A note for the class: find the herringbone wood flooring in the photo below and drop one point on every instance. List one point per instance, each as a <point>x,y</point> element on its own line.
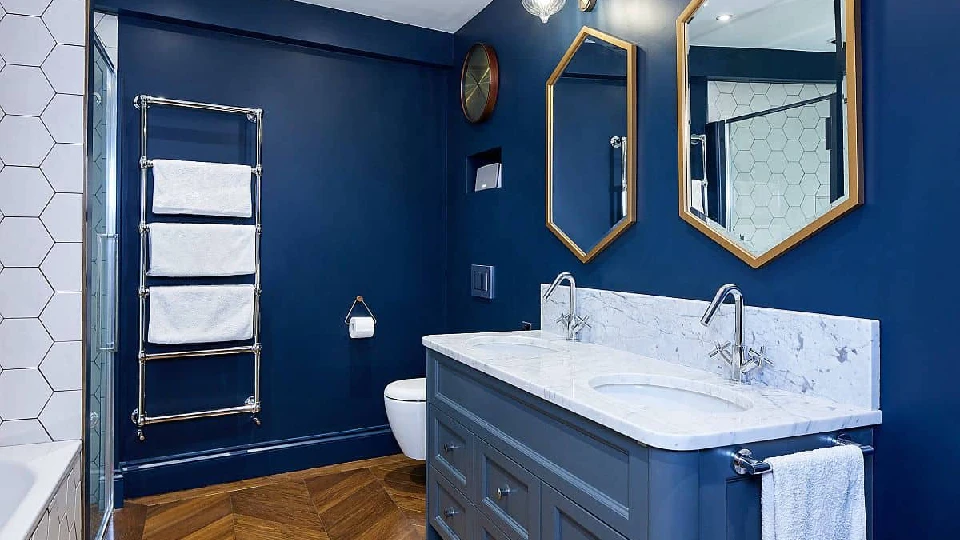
<point>377,499</point>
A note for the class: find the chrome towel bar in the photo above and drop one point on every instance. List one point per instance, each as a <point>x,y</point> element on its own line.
<point>745,464</point>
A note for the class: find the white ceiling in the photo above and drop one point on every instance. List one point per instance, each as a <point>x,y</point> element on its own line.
<point>443,15</point>
<point>799,25</point>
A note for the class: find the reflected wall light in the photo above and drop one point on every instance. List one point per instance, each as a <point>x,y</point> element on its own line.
<point>543,8</point>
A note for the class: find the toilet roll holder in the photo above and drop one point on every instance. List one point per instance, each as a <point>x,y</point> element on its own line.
<point>358,300</point>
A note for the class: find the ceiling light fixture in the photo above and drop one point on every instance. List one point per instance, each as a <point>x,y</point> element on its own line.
<point>543,8</point>
<point>725,17</point>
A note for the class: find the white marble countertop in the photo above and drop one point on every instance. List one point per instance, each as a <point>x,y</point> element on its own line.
<point>562,377</point>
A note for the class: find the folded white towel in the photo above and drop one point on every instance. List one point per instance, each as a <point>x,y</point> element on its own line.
<point>189,249</point>
<point>206,189</point>
<point>815,495</point>
<point>200,314</point>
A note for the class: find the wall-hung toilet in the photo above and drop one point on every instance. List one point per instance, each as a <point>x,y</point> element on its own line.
<point>406,403</point>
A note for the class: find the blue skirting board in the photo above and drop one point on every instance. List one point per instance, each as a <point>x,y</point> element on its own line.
<point>198,469</point>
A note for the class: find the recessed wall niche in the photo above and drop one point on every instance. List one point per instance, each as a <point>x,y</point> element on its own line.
<point>484,170</point>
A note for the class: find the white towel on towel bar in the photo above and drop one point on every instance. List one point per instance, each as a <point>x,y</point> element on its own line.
<point>200,314</point>
<point>191,249</point>
<point>815,495</point>
<point>206,189</point>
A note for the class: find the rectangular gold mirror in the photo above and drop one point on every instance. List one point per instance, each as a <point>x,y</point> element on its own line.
<point>591,143</point>
<point>769,114</point>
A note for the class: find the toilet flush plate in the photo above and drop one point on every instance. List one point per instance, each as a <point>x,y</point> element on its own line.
<point>481,281</point>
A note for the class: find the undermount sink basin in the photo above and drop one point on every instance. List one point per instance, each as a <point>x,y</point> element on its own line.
<point>671,393</point>
<point>514,345</point>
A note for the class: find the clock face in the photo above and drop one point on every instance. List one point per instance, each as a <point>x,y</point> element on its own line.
<point>479,83</point>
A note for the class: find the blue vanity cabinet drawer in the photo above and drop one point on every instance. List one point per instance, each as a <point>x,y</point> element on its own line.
<point>563,519</point>
<point>451,449</point>
<point>486,530</point>
<point>509,494</point>
<point>449,511</point>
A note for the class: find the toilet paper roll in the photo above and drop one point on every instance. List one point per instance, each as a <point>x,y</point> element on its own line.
<point>361,327</point>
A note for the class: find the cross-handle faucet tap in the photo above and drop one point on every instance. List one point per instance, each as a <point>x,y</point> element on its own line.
<point>741,359</point>
<point>572,322</point>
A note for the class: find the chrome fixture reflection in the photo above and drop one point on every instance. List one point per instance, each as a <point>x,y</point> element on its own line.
<point>572,322</point>
<point>741,359</point>
<point>620,143</point>
<point>700,184</point>
<point>543,8</point>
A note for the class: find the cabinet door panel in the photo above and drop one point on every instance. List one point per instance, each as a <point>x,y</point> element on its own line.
<point>449,512</point>
<point>451,449</point>
<point>563,520</point>
<point>509,494</point>
<point>486,530</point>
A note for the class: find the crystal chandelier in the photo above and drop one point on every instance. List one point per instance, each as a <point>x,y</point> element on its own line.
<point>543,8</point>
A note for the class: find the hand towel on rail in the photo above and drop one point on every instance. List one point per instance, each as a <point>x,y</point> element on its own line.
<point>190,249</point>
<point>815,495</point>
<point>205,189</point>
<point>200,314</point>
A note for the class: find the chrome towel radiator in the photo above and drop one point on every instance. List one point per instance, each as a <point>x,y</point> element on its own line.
<point>252,405</point>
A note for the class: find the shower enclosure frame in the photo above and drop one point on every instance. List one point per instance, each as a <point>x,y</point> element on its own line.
<point>92,240</point>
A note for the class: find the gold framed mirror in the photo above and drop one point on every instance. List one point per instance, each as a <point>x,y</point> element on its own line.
<point>591,143</point>
<point>769,121</point>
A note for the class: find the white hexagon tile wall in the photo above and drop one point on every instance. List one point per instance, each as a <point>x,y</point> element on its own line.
<point>41,181</point>
<point>781,168</point>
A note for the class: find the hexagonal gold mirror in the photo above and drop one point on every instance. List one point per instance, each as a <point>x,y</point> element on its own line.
<point>591,143</point>
<point>770,149</point>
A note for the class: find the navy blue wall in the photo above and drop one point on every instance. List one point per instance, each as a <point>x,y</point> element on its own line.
<point>890,260</point>
<point>352,204</point>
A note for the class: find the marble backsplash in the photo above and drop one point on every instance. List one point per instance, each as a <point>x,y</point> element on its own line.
<point>824,355</point>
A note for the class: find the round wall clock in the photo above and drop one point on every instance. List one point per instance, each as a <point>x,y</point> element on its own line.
<point>479,83</point>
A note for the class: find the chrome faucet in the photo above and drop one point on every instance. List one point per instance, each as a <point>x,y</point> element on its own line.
<point>572,322</point>
<point>742,360</point>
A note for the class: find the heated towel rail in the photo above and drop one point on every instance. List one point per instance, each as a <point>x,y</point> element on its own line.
<point>252,404</point>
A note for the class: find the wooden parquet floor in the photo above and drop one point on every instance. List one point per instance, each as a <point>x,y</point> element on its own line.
<point>378,499</point>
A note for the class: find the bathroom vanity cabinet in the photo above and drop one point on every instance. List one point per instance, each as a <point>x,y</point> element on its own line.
<point>503,464</point>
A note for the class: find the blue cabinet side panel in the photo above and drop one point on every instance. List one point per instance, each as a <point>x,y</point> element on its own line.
<point>673,495</point>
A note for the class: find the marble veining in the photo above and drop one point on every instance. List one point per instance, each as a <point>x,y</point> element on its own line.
<point>562,373</point>
<point>821,355</point>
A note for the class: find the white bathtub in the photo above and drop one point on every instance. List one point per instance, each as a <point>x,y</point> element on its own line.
<point>30,476</point>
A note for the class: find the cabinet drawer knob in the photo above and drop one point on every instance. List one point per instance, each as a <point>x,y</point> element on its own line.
<point>450,447</point>
<point>450,512</point>
<point>503,492</point>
